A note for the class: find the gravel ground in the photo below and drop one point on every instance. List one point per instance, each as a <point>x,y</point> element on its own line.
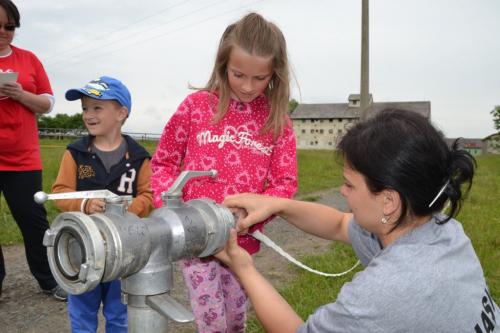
<point>24,308</point>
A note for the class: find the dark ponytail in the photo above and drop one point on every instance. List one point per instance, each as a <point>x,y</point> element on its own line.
<point>461,170</point>
<point>401,150</point>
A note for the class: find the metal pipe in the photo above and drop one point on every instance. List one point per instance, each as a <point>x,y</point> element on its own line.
<point>85,250</point>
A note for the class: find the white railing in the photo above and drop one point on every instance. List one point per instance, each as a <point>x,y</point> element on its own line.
<point>73,133</point>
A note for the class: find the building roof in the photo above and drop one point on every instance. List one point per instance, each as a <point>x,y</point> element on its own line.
<point>466,142</point>
<point>491,136</point>
<point>318,111</point>
<point>357,97</point>
<point>343,111</point>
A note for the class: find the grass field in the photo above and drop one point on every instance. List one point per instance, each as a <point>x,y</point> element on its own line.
<point>314,174</point>
<point>319,170</point>
<point>51,151</point>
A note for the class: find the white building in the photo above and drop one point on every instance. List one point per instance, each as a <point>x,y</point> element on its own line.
<point>320,126</point>
<point>491,144</point>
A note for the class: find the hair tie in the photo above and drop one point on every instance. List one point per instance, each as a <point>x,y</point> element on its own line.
<point>439,193</point>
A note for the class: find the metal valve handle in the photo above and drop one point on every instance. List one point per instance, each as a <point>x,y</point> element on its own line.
<point>41,197</point>
<point>174,193</point>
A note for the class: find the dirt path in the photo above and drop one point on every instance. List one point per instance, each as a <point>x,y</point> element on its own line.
<point>23,308</point>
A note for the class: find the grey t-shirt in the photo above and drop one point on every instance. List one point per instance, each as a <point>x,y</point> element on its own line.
<point>429,280</point>
<point>111,158</point>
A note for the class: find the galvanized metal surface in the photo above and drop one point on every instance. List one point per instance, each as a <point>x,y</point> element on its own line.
<point>86,250</point>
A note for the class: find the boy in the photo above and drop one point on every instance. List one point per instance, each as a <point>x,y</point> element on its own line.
<point>105,159</point>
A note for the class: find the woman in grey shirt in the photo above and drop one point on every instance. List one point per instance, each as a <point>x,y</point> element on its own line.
<point>421,272</point>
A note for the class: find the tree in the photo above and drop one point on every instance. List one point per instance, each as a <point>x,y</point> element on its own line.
<point>496,117</point>
<point>495,140</point>
<point>292,104</point>
<point>61,120</point>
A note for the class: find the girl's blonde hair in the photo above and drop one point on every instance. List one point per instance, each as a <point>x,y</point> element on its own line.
<point>262,38</point>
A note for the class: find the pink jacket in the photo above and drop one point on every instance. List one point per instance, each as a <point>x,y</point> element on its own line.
<point>246,161</point>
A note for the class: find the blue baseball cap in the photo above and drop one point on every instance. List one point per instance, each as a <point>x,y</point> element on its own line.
<point>105,88</point>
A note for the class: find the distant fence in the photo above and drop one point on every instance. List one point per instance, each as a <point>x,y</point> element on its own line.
<point>73,133</point>
<point>144,136</point>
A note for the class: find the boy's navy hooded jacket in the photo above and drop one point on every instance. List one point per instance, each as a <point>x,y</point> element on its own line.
<point>83,170</point>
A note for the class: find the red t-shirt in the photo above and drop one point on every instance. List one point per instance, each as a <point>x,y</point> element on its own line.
<point>19,147</point>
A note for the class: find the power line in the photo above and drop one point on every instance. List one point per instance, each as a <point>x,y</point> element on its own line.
<point>169,32</point>
<point>108,34</point>
<point>85,54</point>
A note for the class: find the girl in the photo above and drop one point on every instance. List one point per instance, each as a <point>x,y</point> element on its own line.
<point>421,272</point>
<point>237,125</point>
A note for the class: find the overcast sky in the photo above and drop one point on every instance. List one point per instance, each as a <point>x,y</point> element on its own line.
<point>443,51</point>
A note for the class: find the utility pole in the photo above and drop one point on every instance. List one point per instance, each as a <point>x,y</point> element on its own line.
<point>365,62</point>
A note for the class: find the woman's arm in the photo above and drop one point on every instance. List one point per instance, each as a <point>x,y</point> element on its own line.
<point>272,310</point>
<point>313,218</point>
<point>35,103</point>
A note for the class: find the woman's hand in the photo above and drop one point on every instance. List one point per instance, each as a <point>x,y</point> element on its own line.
<point>258,208</point>
<point>35,103</point>
<point>95,206</point>
<point>234,256</point>
<point>273,311</point>
<point>239,214</point>
<point>12,89</point>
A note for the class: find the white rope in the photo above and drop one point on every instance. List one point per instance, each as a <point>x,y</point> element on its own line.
<point>264,239</point>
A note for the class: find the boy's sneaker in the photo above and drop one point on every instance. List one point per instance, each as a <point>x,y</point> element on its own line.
<point>58,293</point>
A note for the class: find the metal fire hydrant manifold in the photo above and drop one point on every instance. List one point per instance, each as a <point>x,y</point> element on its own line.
<point>85,250</point>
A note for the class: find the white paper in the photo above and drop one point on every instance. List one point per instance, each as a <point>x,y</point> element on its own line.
<point>8,77</point>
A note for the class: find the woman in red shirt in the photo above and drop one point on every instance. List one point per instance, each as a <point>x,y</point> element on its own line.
<point>21,100</point>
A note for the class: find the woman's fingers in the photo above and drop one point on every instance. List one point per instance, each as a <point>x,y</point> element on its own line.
<point>11,89</point>
<point>246,208</point>
<point>239,215</point>
<point>222,256</point>
<point>241,231</point>
<point>232,244</point>
<point>236,200</point>
<point>228,249</point>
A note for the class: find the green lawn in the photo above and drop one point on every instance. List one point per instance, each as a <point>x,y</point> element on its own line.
<point>314,175</point>
<point>319,170</point>
<point>52,151</point>
<point>480,217</point>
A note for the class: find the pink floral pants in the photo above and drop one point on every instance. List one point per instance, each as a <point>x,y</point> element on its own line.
<point>218,301</point>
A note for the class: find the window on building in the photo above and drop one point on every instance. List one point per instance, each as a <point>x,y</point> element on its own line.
<point>321,121</point>
<point>340,120</point>
<point>312,131</point>
<point>339,132</point>
<point>312,143</point>
<point>330,143</point>
<point>331,120</point>
<point>303,131</point>
<point>316,142</point>
<point>303,120</point>
<point>320,131</point>
<point>330,131</point>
